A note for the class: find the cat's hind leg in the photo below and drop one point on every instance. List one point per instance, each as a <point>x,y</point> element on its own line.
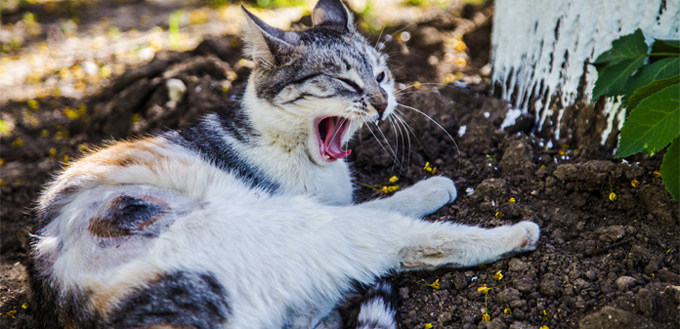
<point>445,244</point>
<point>463,246</point>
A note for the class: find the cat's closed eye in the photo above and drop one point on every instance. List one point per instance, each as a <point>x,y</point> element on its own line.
<point>352,84</point>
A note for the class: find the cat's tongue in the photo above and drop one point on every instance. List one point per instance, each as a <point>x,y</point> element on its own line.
<point>331,132</point>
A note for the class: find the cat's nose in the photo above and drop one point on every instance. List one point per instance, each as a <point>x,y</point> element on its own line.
<point>380,107</point>
<point>379,102</point>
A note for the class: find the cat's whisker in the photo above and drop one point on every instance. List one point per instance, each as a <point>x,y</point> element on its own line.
<point>379,36</point>
<point>398,136</point>
<point>402,119</point>
<point>399,91</point>
<point>368,126</point>
<point>404,132</point>
<point>435,122</point>
<point>395,156</point>
<point>336,132</point>
<point>403,28</point>
<point>404,93</point>
<point>406,140</point>
<point>397,68</point>
<point>395,131</point>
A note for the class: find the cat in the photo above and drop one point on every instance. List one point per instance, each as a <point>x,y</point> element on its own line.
<point>246,220</point>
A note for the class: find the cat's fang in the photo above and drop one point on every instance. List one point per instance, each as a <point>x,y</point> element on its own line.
<point>330,133</point>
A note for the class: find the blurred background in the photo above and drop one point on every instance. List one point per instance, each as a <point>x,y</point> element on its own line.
<point>72,48</point>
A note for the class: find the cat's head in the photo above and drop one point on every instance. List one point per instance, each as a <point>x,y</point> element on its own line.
<point>327,77</point>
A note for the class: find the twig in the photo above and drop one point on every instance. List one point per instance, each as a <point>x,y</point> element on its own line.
<point>601,250</point>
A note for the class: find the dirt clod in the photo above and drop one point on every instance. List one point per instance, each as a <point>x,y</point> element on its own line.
<point>646,302</point>
<point>608,318</point>
<point>624,283</point>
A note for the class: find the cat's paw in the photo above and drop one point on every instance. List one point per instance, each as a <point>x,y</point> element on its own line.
<point>423,198</point>
<point>527,235</point>
<point>439,189</point>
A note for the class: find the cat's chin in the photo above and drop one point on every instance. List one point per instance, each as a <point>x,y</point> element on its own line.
<point>330,132</point>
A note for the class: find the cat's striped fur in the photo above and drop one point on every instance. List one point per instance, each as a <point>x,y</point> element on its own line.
<point>246,220</point>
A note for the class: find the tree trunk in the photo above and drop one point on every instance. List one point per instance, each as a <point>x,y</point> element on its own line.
<point>540,55</point>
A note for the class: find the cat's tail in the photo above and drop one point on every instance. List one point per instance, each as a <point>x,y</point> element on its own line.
<point>379,309</point>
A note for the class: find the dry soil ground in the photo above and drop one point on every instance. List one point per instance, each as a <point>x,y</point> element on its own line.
<point>601,262</point>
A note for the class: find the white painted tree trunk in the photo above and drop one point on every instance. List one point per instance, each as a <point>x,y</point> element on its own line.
<point>540,51</point>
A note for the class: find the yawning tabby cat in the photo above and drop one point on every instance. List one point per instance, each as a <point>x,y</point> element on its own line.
<point>246,220</point>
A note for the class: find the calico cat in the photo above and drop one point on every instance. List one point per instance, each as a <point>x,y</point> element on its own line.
<point>246,219</point>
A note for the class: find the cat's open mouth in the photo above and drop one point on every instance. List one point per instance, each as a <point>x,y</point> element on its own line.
<point>330,132</point>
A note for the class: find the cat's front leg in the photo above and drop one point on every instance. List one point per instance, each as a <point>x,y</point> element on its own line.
<point>423,198</point>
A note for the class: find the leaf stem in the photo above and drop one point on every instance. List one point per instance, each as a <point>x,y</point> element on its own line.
<point>663,54</point>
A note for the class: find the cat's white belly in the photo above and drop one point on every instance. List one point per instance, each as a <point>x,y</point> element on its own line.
<point>265,251</point>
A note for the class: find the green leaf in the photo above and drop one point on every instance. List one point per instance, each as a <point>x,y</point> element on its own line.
<point>670,169</point>
<point>624,48</point>
<point>615,65</point>
<point>648,90</point>
<point>663,69</point>
<point>666,46</point>
<point>652,124</point>
<point>612,78</point>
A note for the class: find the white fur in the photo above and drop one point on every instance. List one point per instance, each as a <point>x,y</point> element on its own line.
<point>288,150</point>
<point>376,312</point>
<point>272,253</point>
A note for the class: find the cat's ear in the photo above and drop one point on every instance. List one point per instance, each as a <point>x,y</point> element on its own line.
<point>332,14</point>
<point>267,44</point>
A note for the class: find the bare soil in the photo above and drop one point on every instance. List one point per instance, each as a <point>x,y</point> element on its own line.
<point>602,261</point>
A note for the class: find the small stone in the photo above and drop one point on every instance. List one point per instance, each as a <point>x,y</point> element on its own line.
<point>646,302</point>
<point>518,303</point>
<point>668,305</point>
<point>607,318</point>
<point>490,189</point>
<point>519,325</point>
<point>580,284</point>
<point>517,158</point>
<point>674,293</point>
<point>613,233</point>
<point>516,265</point>
<point>654,264</point>
<point>580,226</point>
<point>403,293</point>
<point>591,275</point>
<point>550,285</point>
<point>518,314</point>
<point>580,303</point>
<point>624,282</point>
<point>507,295</point>
<point>526,284</point>
<point>496,323</point>
<point>459,280</point>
